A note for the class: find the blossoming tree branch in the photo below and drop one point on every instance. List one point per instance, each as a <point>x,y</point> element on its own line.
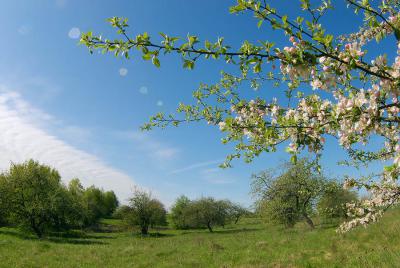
<point>333,87</point>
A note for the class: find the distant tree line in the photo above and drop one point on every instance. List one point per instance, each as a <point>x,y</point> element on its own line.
<point>144,211</point>
<point>205,212</point>
<point>33,197</point>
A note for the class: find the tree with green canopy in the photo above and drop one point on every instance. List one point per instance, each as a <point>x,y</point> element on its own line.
<point>110,202</point>
<point>35,196</point>
<point>144,211</point>
<point>289,193</point>
<point>207,213</point>
<point>332,203</point>
<point>237,211</point>
<point>177,213</point>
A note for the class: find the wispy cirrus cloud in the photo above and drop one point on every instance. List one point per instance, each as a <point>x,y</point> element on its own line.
<point>44,89</point>
<point>153,148</point>
<point>61,3</point>
<point>23,135</point>
<point>197,166</point>
<point>217,176</point>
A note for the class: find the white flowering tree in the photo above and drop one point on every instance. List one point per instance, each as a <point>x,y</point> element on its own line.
<point>334,87</point>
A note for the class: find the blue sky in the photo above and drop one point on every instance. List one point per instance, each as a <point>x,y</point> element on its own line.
<point>75,111</point>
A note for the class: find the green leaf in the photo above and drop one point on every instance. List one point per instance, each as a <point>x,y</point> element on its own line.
<point>147,56</point>
<point>299,20</point>
<point>284,20</point>
<point>156,62</point>
<point>257,67</point>
<point>188,64</point>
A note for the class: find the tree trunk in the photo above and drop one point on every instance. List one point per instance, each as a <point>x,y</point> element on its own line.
<point>36,228</point>
<point>308,220</point>
<point>145,230</point>
<point>209,227</point>
<point>37,231</point>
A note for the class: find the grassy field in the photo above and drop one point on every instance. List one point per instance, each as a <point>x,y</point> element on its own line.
<point>248,244</point>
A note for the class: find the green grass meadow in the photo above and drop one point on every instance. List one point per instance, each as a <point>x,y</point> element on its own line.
<point>250,243</point>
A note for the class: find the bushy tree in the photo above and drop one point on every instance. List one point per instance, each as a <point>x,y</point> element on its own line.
<point>145,211</point>
<point>203,213</point>
<point>34,193</point>
<point>280,211</point>
<point>94,203</point>
<point>333,86</point>
<point>64,216</point>
<point>111,203</point>
<point>289,194</point>
<point>90,204</point>
<point>207,213</point>
<point>237,211</point>
<point>32,196</point>
<point>332,203</point>
<point>159,217</point>
<point>177,214</point>
<point>121,212</point>
<point>78,208</point>
<point>97,204</point>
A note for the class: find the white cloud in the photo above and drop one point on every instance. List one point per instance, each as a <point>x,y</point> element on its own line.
<point>23,136</point>
<point>42,88</point>
<point>74,33</point>
<point>75,133</point>
<point>217,176</point>
<point>197,165</point>
<point>61,3</point>
<point>217,180</point>
<point>152,147</point>
<point>160,103</point>
<point>166,153</point>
